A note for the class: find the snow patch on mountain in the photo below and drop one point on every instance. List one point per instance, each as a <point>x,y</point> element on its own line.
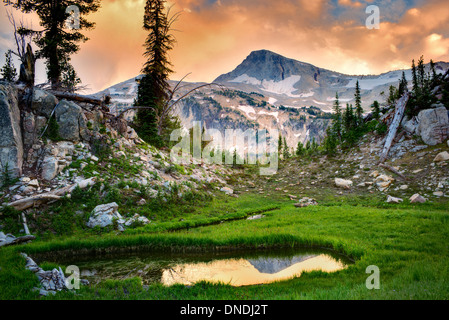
<point>285,86</point>
<point>272,100</point>
<point>248,110</point>
<point>244,78</point>
<point>273,114</point>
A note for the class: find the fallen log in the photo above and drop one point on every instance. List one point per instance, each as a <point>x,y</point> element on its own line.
<point>391,169</point>
<point>17,241</point>
<point>56,195</point>
<point>33,201</point>
<point>80,98</point>
<point>393,129</point>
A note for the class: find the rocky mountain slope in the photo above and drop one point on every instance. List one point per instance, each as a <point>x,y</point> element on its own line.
<point>55,147</point>
<point>268,90</point>
<point>294,83</point>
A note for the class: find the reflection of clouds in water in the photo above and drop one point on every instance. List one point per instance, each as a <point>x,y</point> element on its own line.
<point>243,272</point>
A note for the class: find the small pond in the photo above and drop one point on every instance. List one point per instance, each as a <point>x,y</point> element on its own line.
<point>237,268</point>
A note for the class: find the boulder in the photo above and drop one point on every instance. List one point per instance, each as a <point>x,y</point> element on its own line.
<point>306,202</point>
<point>411,126</point>
<point>391,199</point>
<point>43,102</point>
<point>71,121</point>
<point>417,198</point>
<point>137,219</point>
<point>433,125</point>
<point>342,183</point>
<point>227,190</point>
<point>103,215</point>
<point>383,182</point>
<point>443,156</point>
<point>11,144</point>
<point>49,168</point>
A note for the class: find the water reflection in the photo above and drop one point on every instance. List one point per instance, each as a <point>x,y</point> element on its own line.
<point>237,268</point>
<point>241,272</point>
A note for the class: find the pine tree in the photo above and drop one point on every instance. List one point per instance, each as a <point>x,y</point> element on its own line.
<point>337,120</point>
<point>358,105</point>
<point>349,121</point>
<point>286,150</point>
<point>434,72</point>
<point>402,85</point>
<point>392,97</point>
<point>421,72</point>
<point>153,89</point>
<point>415,79</point>
<point>280,145</point>
<point>330,142</point>
<point>55,42</point>
<point>376,110</point>
<point>9,72</point>
<point>300,149</point>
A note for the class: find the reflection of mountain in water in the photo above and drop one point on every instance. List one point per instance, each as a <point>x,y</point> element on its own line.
<point>274,265</point>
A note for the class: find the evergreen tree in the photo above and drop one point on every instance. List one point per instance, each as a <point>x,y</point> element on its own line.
<point>337,117</point>
<point>330,142</point>
<point>402,85</point>
<point>349,121</point>
<point>55,42</point>
<point>415,79</point>
<point>286,150</point>
<point>9,72</point>
<point>376,110</point>
<point>280,145</point>
<point>153,88</point>
<point>393,95</point>
<point>300,149</point>
<point>358,105</point>
<point>421,72</point>
<point>70,79</point>
<point>434,72</point>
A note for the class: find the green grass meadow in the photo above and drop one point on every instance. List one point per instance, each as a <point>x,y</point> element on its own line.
<point>409,244</point>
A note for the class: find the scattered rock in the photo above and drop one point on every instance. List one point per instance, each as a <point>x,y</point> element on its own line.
<point>34,183</point>
<point>391,199</point>
<point>433,125</point>
<point>374,174</point>
<point>305,202</point>
<point>443,156</point>
<point>103,215</point>
<point>137,219</point>
<point>50,168</point>
<point>342,183</point>
<point>383,182</point>
<point>438,193</point>
<point>227,190</point>
<point>256,217</point>
<point>417,198</point>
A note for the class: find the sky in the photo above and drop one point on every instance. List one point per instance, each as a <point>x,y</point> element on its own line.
<point>214,36</point>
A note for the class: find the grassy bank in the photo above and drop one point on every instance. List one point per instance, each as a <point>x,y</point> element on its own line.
<point>409,244</point>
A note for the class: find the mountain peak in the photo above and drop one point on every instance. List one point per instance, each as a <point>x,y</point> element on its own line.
<point>267,65</point>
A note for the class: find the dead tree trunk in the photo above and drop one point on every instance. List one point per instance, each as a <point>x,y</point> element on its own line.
<point>399,114</point>
<point>80,98</point>
<point>27,68</point>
